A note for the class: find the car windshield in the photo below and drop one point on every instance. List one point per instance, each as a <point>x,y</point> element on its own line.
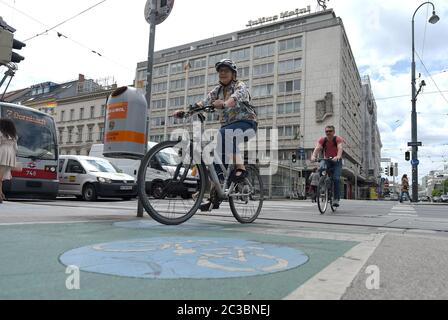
<point>99,166</point>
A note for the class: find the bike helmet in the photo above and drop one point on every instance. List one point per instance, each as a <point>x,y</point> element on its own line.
<point>227,63</point>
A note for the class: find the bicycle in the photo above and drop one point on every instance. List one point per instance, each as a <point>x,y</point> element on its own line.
<point>180,184</point>
<point>325,189</point>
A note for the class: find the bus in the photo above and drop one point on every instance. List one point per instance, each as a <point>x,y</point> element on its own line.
<point>38,153</point>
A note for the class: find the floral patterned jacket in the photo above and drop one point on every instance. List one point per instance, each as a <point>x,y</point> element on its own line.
<point>240,93</point>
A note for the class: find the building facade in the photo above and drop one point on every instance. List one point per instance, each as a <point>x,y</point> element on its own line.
<point>78,107</point>
<point>302,76</point>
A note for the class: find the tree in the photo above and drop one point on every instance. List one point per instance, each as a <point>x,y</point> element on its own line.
<point>436,193</point>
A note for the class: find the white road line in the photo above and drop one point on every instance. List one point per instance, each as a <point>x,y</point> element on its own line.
<point>402,215</point>
<point>52,222</point>
<point>332,282</point>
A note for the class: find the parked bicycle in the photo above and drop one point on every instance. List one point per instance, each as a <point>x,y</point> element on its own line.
<point>325,189</point>
<point>180,183</point>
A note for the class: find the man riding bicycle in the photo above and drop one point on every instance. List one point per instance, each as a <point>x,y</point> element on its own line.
<point>232,98</point>
<point>332,147</point>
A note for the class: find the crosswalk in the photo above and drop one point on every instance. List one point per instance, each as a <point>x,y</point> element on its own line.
<point>403,210</point>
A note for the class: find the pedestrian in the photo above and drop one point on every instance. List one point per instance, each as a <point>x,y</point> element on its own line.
<point>314,181</point>
<point>404,188</point>
<point>8,152</point>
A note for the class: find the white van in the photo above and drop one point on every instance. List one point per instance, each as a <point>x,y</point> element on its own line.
<point>89,178</point>
<point>157,176</point>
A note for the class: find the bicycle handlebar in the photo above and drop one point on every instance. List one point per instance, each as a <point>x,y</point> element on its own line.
<point>193,109</point>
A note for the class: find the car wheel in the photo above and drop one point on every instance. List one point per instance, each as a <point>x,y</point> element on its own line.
<point>89,193</point>
<point>157,190</point>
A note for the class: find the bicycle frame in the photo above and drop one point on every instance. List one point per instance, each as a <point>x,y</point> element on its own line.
<point>221,190</point>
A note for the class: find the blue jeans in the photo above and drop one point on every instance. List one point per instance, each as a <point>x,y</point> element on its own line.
<point>247,129</point>
<point>336,169</point>
<point>402,195</point>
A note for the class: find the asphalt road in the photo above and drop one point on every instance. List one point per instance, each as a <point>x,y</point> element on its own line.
<point>406,244</point>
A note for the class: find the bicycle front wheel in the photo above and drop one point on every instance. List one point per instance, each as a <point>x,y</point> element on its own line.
<point>322,196</point>
<point>246,201</point>
<point>170,186</point>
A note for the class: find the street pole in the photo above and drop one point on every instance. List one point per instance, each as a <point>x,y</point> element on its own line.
<point>152,39</point>
<point>434,19</point>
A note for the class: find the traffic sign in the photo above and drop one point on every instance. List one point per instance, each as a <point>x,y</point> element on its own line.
<point>162,10</point>
<point>415,144</point>
<point>415,162</point>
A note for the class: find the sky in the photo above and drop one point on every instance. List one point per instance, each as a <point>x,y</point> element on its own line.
<point>379,33</point>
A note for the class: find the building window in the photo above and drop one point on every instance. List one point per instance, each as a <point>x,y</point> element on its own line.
<point>265,50</point>
<point>159,87</point>
<point>213,117</point>
<point>177,85</point>
<point>244,72</point>
<point>216,58</point>
<point>92,112</point>
<point>70,135</point>
<point>62,115</point>
<point>290,44</point>
<point>90,134</point>
<point>288,108</point>
<point>177,67</point>
<point>159,104</point>
<point>213,79</point>
<point>72,114</point>
<point>287,66</point>
<point>80,133</point>
<point>263,90</point>
<point>157,122</point>
<point>263,69</point>
<point>193,99</point>
<point>101,134</point>
<point>159,71</point>
<point>197,81</point>
<point>288,131</point>
<point>289,86</point>
<point>81,114</point>
<point>156,138</point>
<point>172,121</point>
<point>198,63</point>
<point>264,112</point>
<point>103,110</point>
<point>177,102</point>
<point>61,135</point>
<point>240,55</point>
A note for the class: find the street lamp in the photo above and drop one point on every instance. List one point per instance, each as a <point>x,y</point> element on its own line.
<point>434,19</point>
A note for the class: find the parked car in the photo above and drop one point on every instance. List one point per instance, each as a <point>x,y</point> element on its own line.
<point>444,198</point>
<point>437,199</point>
<point>158,175</point>
<point>425,199</point>
<point>88,178</point>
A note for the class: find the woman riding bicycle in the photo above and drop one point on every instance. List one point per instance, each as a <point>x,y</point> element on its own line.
<point>232,98</point>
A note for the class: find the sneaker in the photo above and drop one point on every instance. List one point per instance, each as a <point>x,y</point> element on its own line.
<point>336,203</point>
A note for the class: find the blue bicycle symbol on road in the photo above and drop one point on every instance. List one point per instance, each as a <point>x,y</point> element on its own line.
<point>185,258</point>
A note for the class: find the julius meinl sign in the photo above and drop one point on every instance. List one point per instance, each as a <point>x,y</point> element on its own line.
<point>283,15</point>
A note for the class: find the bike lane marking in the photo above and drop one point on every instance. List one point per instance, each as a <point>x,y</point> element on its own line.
<point>332,282</point>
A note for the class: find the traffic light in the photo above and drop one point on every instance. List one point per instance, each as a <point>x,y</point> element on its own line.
<point>7,45</point>
<point>391,171</point>
<point>387,172</point>
<point>408,156</point>
<point>294,158</point>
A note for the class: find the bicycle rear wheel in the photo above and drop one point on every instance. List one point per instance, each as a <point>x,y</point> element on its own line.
<point>170,186</point>
<point>322,196</point>
<point>246,202</point>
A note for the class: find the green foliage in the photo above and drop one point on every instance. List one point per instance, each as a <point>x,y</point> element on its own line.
<point>437,193</point>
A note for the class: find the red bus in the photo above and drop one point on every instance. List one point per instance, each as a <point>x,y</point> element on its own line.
<point>37,153</point>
